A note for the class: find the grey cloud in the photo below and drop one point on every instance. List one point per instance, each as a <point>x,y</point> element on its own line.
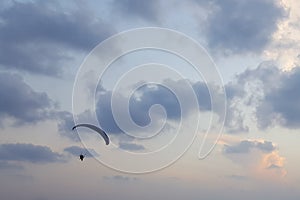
<point>5,165</point>
<point>242,147</point>
<point>266,146</point>
<point>147,10</point>
<point>120,178</point>
<point>246,146</point>
<point>21,177</point>
<point>65,125</point>
<point>150,96</point>
<point>147,96</point>
<point>29,153</point>
<point>20,102</point>
<point>283,100</point>
<point>266,74</point>
<point>138,109</point>
<point>35,36</point>
<point>275,99</point>
<point>234,90</point>
<point>238,177</point>
<point>240,26</point>
<point>104,113</point>
<point>203,95</point>
<point>247,90</point>
<point>234,121</point>
<point>274,166</point>
<point>76,151</point>
<point>131,146</point>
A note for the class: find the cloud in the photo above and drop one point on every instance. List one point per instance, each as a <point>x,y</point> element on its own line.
<point>147,10</point>
<point>241,26</point>
<point>274,163</point>
<point>131,146</point>
<point>234,121</point>
<point>120,178</point>
<point>274,166</point>
<point>246,145</point>
<point>234,90</point>
<point>36,36</point>
<point>202,93</point>
<point>76,151</point>
<point>140,104</point>
<point>284,48</point>
<point>104,112</point>
<point>145,97</point>
<point>28,153</point>
<point>283,101</point>
<point>261,158</point>
<point>65,124</point>
<point>20,102</point>
<point>242,147</point>
<point>148,95</point>
<point>272,94</point>
<point>151,95</point>
<point>4,165</point>
<point>238,177</point>
<point>266,146</point>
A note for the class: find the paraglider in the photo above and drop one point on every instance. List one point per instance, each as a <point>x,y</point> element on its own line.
<point>95,128</point>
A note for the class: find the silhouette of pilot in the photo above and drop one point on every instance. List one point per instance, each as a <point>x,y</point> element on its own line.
<point>81,157</point>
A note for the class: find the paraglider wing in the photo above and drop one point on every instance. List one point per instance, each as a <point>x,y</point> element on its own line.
<point>95,128</point>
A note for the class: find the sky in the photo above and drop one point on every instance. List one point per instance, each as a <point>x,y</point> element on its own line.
<point>200,99</point>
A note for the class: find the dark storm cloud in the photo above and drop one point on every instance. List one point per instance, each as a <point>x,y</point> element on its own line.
<point>20,102</point>
<point>147,10</point>
<point>28,153</point>
<point>245,146</point>
<point>76,151</point>
<point>240,26</point>
<point>35,36</point>
<point>131,146</point>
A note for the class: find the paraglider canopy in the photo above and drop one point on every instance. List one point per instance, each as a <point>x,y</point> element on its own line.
<point>95,128</point>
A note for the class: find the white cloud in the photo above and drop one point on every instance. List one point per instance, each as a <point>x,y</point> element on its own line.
<point>285,45</point>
